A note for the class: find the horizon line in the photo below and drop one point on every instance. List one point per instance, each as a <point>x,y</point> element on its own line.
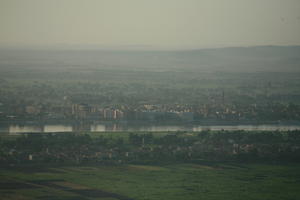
<point>128,47</point>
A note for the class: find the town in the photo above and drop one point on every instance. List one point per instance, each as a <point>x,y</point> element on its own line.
<point>253,113</point>
<point>149,100</point>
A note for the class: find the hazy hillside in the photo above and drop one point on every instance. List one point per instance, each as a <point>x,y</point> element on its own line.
<point>239,59</point>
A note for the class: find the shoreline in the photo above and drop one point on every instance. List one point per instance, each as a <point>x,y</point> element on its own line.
<point>151,123</point>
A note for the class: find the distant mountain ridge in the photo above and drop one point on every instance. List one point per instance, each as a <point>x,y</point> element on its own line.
<point>245,59</point>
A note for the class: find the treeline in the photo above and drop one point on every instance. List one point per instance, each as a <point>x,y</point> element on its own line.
<point>150,148</point>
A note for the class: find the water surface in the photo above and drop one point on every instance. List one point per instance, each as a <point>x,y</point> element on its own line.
<point>125,127</point>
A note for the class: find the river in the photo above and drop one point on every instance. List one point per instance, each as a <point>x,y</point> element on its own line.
<point>48,128</point>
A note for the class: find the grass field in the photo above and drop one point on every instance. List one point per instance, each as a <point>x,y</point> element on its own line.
<point>139,182</point>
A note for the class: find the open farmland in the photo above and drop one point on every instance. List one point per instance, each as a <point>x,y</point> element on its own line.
<point>180,181</point>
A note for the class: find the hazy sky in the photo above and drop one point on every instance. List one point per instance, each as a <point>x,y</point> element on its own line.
<point>159,23</point>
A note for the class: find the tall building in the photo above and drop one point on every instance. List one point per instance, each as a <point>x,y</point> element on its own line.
<point>81,110</point>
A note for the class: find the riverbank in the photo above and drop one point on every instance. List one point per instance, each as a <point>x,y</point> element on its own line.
<point>203,122</point>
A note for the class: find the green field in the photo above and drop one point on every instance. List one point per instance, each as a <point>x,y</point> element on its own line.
<point>174,182</point>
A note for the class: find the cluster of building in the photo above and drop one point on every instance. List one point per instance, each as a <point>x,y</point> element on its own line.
<point>148,112</point>
<point>84,111</point>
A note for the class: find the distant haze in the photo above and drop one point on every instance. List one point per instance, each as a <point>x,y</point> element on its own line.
<point>149,23</point>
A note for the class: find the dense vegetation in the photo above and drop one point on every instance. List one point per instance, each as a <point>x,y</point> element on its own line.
<point>150,148</point>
